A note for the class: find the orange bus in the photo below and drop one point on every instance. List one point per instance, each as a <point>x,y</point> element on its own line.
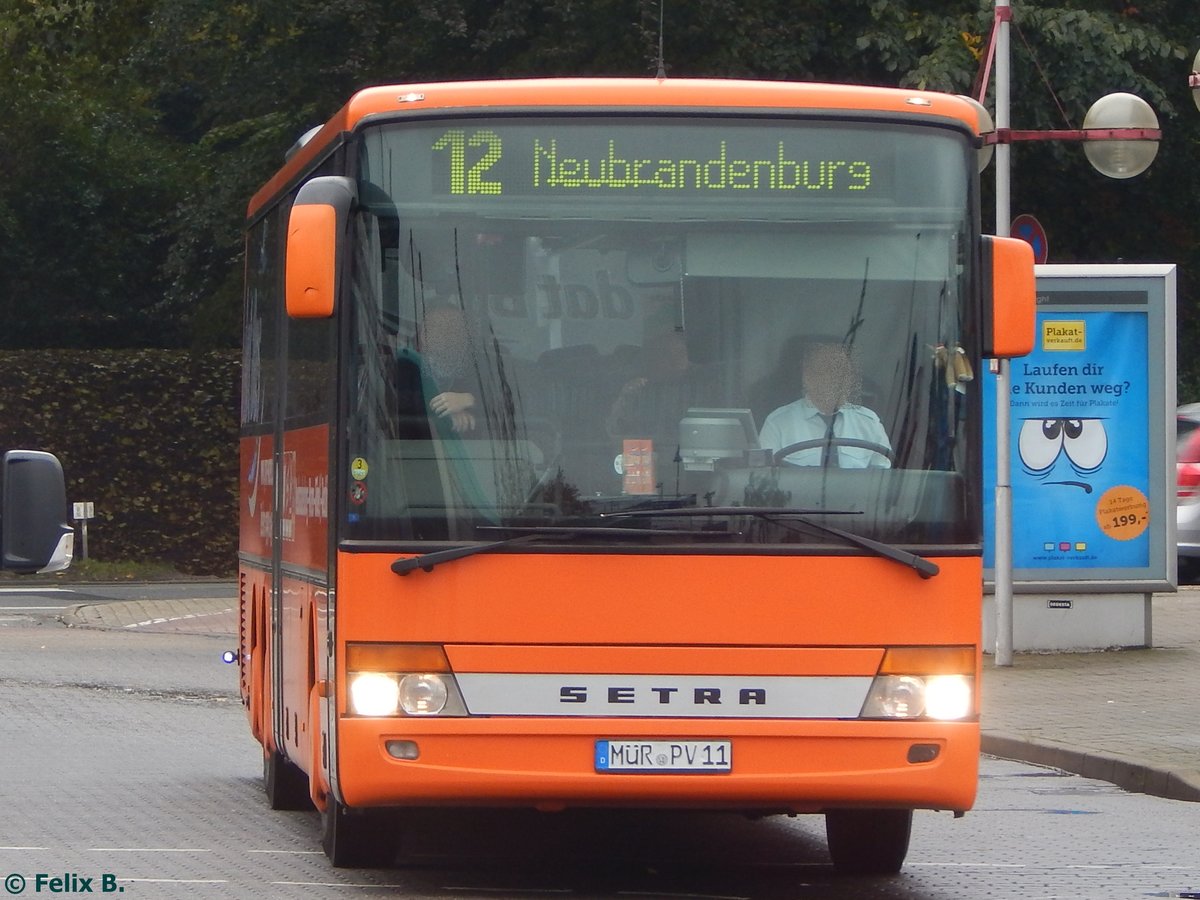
<point>616,443</point>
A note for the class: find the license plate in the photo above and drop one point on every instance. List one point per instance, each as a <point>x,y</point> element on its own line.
<point>664,756</point>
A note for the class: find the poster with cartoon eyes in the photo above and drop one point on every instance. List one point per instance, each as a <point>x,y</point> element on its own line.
<point>1082,408</point>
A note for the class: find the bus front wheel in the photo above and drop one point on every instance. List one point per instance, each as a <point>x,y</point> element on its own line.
<point>868,841</point>
<point>358,838</point>
<point>285,783</point>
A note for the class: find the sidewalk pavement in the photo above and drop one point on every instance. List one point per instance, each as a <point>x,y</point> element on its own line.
<point>1130,717</point>
<point>209,615</point>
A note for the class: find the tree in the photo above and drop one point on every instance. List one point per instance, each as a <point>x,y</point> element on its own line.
<point>1063,59</point>
<point>146,125</point>
<point>87,183</point>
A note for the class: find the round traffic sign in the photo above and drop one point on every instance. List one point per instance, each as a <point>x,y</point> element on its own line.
<point>1030,230</point>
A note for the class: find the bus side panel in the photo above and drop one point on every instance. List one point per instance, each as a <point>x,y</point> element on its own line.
<point>256,481</point>
<point>298,636</point>
<point>253,649</point>
<point>304,512</point>
<point>304,551</point>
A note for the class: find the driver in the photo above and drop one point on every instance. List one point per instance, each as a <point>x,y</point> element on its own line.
<point>826,414</point>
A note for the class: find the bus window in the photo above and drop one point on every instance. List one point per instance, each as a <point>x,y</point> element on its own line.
<point>590,330</point>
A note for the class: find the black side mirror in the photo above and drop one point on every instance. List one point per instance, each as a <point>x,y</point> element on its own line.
<point>35,533</point>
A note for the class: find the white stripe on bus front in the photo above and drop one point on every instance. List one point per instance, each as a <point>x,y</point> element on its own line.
<point>693,696</point>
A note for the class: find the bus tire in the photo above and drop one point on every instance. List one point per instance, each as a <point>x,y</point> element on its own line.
<point>356,838</point>
<point>868,841</point>
<point>285,783</point>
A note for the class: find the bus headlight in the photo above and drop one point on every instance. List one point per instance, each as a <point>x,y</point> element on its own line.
<point>385,679</point>
<point>374,694</point>
<point>923,682</point>
<point>895,697</point>
<point>423,695</point>
<point>948,697</point>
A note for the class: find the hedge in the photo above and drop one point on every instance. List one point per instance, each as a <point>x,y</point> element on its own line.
<point>150,436</point>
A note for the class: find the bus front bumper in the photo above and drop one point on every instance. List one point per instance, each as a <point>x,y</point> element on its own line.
<point>777,766</point>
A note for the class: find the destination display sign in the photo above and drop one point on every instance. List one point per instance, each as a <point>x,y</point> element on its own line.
<point>483,160</point>
<point>495,161</point>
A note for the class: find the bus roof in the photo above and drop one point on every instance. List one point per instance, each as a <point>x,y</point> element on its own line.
<point>611,93</point>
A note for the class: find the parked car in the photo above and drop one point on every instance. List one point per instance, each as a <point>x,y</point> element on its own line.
<point>1187,481</point>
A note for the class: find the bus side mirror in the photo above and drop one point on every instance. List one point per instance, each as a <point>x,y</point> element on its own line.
<point>1010,297</point>
<point>35,534</point>
<point>315,238</point>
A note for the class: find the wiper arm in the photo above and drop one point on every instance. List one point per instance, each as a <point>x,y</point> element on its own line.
<point>427,561</point>
<point>779,515</point>
<point>530,533</point>
<point>924,567</point>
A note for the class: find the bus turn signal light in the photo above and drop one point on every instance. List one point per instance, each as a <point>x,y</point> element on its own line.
<point>928,661</point>
<point>396,658</point>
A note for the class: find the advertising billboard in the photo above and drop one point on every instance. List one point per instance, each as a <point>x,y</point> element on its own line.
<point>1092,413</point>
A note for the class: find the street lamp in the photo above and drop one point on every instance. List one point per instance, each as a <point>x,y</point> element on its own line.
<point>1120,135</point>
<point>1112,155</point>
<point>1194,80</point>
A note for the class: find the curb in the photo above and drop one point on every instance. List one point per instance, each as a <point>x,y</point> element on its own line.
<point>1126,774</point>
<point>197,615</point>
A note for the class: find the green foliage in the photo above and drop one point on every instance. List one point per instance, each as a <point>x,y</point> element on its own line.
<point>87,181</point>
<point>133,132</point>
<point>97,570</point>
<point>1064,57</point>
<point>149,436</point>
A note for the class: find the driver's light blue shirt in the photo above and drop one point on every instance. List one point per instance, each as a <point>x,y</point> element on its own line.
<point>801,421</point>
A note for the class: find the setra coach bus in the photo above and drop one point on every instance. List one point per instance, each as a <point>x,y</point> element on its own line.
<point>616,443</point>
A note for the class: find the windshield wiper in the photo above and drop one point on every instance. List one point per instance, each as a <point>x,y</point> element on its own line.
<point>427,561</point>
<point>779,516</point>
<point>530,533</point>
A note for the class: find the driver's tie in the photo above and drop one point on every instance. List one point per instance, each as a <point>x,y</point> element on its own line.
<point>829,457</point>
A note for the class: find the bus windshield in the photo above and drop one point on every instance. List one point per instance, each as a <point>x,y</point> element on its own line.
<point>558,319</point>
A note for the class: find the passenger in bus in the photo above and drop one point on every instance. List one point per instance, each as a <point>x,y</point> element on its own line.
<point>439,371</point>
<point>652,401</point>
<point>827,414</point>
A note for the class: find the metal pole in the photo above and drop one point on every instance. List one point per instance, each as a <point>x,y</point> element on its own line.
<point>1003,582</point>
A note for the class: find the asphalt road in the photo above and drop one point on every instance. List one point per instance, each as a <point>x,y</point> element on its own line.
<point>127,755</point>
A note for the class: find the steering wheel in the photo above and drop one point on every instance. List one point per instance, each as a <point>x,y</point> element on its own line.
<point>812,443</point>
